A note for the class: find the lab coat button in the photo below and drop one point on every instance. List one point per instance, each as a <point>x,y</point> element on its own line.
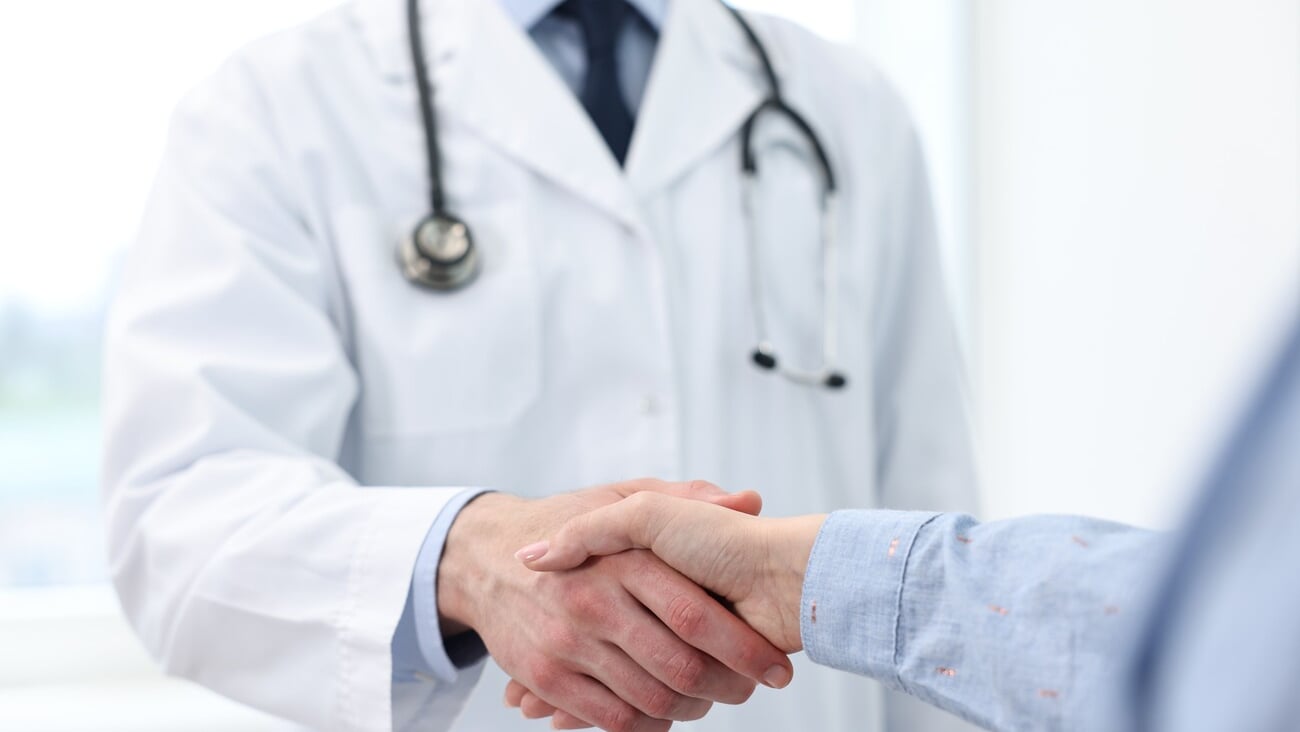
<point>649,406</point>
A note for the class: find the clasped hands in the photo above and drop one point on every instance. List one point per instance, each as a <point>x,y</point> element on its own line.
<point>631,605</point>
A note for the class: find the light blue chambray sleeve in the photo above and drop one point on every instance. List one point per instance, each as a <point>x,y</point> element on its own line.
<point>418,647</point>
<point>1012,625</point>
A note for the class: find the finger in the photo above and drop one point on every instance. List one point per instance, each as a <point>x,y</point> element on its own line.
<point>533,707</point>
<point>685,669</point>
<point>591,702</point>
<point>564,720</point>
<point>515,692</point>
<point>636,685</point>
<point>698,619</point>
<point>745,502</point>
<point>693,489</point>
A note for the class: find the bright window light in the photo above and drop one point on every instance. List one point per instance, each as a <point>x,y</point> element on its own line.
<point>86,111</point>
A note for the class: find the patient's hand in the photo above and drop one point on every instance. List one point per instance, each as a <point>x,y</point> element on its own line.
<point>754,563</point>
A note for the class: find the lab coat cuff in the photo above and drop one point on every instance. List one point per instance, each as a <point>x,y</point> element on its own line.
<point>443,658</point>
<point>379,582</point>
<point>853,590</point>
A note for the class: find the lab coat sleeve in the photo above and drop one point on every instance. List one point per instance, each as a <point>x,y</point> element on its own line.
<point>923,439</point>
<point>243,555</point>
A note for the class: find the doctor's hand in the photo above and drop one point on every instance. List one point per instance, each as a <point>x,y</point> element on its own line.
<point>756,564</point>
<point>622,642</point>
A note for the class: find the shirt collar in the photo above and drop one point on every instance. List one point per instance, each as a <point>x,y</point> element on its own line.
<point>527,13</point>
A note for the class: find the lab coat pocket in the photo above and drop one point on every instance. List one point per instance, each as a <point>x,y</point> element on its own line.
<point>434,363</point>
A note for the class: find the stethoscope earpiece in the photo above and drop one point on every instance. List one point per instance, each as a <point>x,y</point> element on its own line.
<point>764,358</point>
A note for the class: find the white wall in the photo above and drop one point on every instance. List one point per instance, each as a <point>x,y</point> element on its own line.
<point>925,48</point>
<point>1137,237</point>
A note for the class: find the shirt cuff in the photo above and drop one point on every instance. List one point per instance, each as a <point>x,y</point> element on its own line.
<point>419,648</point>
<point>853,588</point>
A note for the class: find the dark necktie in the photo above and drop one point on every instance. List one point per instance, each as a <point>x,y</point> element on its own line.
<point>602,95</point>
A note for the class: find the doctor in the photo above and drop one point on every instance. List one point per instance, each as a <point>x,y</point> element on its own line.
<point>403,255</point>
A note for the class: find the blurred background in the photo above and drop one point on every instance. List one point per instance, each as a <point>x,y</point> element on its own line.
<point>1118,186</point>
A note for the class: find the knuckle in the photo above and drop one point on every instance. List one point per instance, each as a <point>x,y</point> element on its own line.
<point>545,675</point>
<point>698,709</point>
<point>747,654</point>
<point>641,500</point>
<point>564,641</point>
<point>573,601</point>
<point>533,707</point>
<point>686,617</point>
<point>662,703</point>
<point>686,672</point>
<point>703,487</point>
<point>575,594</point>
<point>618,718</point>
<point>745,692</point>
<point>588,604</point>
<point>732,688</point>
<point>640,485</point>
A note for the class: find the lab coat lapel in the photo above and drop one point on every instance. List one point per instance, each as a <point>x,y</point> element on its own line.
<point>704,83</point>
<point>488,75</point>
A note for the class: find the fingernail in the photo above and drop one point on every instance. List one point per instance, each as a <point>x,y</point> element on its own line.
<point>533,552</point>
<point>777,677</point>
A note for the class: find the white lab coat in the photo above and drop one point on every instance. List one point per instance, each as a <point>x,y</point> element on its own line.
<point>286,416</point>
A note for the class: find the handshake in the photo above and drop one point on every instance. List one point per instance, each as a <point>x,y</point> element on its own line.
<point>632,605</point>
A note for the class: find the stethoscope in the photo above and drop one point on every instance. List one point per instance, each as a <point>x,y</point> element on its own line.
<point>439,252</point>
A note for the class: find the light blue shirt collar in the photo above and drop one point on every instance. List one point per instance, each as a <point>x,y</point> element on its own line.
<point>526,13</point>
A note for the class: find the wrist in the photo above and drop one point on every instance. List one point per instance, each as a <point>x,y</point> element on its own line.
<point>789,548</point>
<point>466,569</point>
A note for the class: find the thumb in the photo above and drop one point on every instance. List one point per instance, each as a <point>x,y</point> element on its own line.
<point>611,529</point>
<point>699,490</point>
<point>747,502</point>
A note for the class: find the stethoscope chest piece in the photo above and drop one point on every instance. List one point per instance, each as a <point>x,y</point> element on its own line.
<point>439,254</point>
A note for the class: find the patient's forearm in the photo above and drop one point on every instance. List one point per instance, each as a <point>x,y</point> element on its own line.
<point>1011,625</point>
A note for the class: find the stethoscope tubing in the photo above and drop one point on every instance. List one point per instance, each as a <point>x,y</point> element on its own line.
<point>421,266</point>
<point>428,120</point>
